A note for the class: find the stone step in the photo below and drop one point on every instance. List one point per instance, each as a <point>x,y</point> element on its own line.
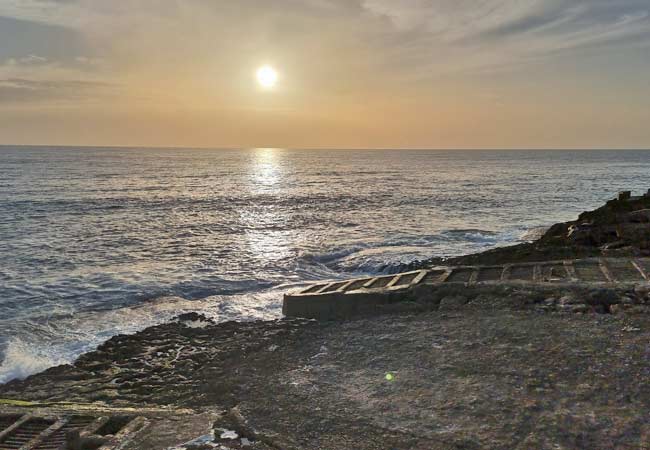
<point>31,432</point>
<point>329,299</point>
<point>23,432</point>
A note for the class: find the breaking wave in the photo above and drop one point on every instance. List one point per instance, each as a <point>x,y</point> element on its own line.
<point>61,340</point>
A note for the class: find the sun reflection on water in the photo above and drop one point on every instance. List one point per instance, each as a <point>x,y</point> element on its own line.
<point>265,231</point>
<point>266,169</point>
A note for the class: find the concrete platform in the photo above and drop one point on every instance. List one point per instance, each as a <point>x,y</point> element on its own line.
<point>34,426</point>
<point>341,299</point>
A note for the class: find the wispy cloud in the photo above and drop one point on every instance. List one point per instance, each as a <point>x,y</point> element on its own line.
<point>43,11</point>
<point>477,34</point>
<point>467,33</point>
<point>19,90</point>
<point>29,60</point>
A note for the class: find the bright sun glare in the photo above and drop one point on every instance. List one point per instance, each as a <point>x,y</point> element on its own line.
<point>267,77</point>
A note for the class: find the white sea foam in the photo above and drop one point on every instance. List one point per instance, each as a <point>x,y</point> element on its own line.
<point>533,234</point>
<point>23,359</point>
<point>63,340</point>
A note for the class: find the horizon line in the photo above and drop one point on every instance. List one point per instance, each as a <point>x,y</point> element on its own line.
<point>173,147</point>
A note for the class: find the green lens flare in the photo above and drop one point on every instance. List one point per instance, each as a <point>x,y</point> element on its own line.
<point>390,377</point>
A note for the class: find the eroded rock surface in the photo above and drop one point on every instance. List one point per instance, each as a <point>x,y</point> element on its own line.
<point>477,377</point>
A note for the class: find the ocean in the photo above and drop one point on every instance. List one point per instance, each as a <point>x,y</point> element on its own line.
<point>100,241</point>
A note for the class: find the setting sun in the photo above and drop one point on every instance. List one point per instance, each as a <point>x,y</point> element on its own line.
<point>266,76</point>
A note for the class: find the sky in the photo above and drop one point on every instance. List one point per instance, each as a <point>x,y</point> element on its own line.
<point>351,73</point>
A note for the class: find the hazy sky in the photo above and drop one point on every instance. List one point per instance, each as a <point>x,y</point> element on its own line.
<point>352,73</point>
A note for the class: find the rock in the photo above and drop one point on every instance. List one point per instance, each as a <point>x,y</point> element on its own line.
<point>580,308</point>
<point>637,310</point>
<point>639,216</point>
<point>452,302</point>
<point>642,290</point>
<point>599,309</point>
<point>642,294</point>
<point>569,300</point>
<point>619,228</point>
<point>602,296</point>
<point>614,245</point>
<point>617,225</point>
<point>228,434</point>
<point>193,316</point>
<point>629,309</point>
<point>627,300</point>
<point>550,301</point>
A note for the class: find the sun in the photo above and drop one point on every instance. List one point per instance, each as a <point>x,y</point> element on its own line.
<point>267,77</point>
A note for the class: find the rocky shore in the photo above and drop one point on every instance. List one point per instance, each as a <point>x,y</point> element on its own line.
<point>476,377</point>
<point>619,228</point>
<point>506,369</point>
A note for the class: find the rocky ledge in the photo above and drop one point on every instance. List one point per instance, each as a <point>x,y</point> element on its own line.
<point>473,377</point>
<point>619,228</point>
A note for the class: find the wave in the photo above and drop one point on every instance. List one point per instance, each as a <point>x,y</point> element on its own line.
<point>22,358</point>
<point>394,252</point>
<point>38,346</point>
<point>532,234</point>
<point>469,232</point>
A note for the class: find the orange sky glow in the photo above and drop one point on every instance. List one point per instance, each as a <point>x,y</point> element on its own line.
<point>350,74</point>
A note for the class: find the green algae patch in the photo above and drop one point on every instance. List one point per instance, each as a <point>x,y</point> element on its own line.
<point>11,402</point>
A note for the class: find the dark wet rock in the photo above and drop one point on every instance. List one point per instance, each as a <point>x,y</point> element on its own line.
<point>569,300</point>
<point>621,223</point>
<point>161,364</point>
<point>193,317</point>
<point>619,228</point>
<point>451,303</point>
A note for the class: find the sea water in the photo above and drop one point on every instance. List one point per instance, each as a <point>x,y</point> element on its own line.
<point>100,241</point>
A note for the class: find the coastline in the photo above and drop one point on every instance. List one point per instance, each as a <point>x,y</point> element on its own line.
<point>483,376</point>
<point>492,370</point>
